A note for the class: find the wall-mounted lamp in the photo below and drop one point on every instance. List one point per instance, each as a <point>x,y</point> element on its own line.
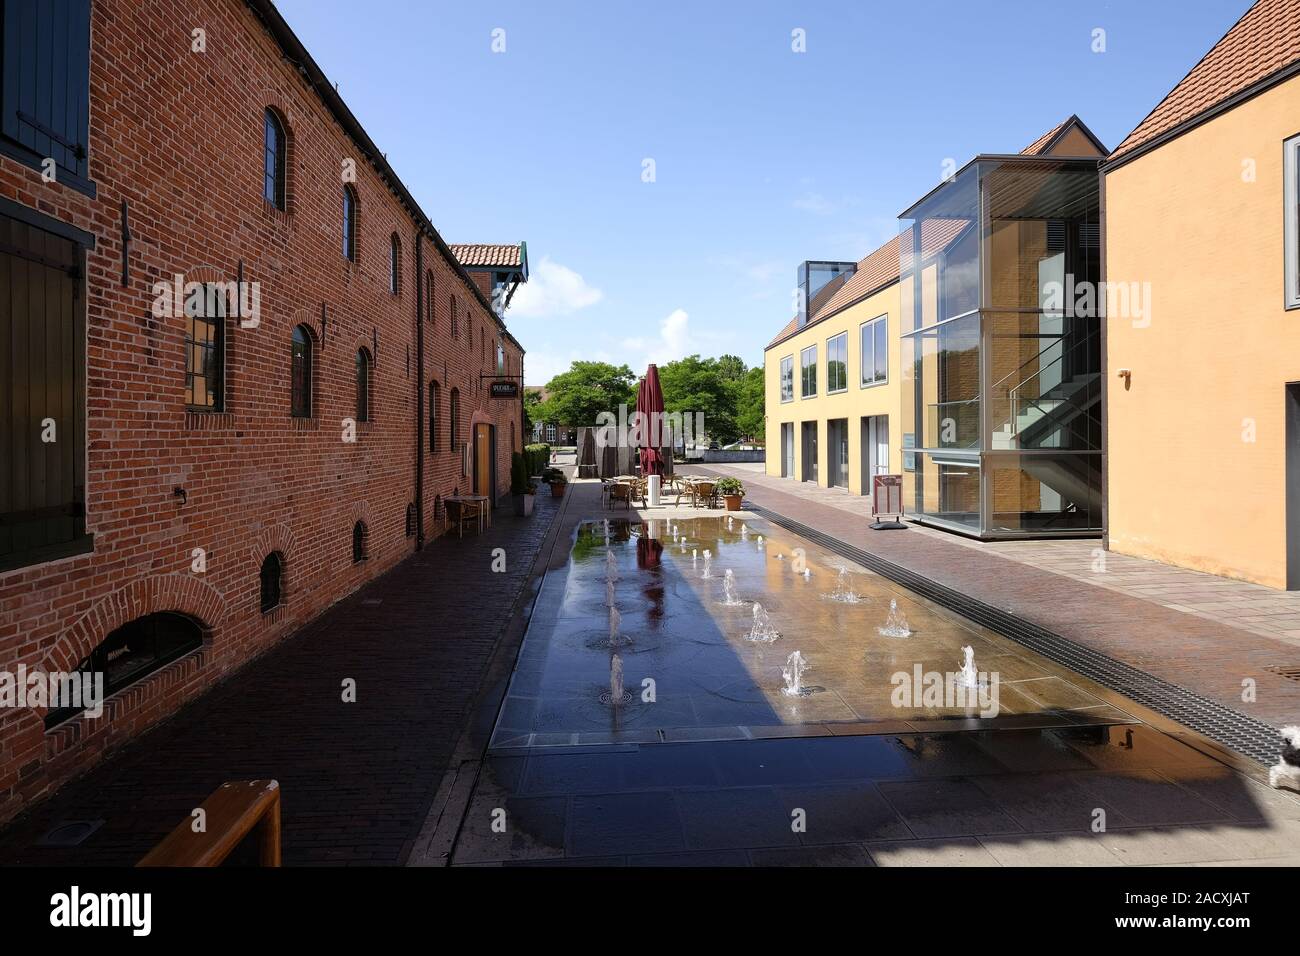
<point>179,492</point>
<point>1127,375</point>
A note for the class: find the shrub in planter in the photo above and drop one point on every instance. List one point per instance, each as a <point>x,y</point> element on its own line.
<point>537,456</point>
<point>732,492</point>
<point>558,483</point>
<point>551,474</point>
<point>520,487</point>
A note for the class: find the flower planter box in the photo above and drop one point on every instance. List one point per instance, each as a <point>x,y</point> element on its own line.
<point>557,489</point>
<point>523,505</point>
<point>733,501</point>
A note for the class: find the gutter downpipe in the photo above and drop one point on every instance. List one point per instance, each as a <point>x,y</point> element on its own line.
<point>419,390</point>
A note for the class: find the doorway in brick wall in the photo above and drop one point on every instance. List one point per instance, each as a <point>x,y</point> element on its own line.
<point>485,462</point>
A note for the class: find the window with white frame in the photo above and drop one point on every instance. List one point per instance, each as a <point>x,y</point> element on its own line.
<point>873,337</point>
<point>808,372</point>
<point>837,363</point>
<point>1291,193</point>
<point>787,379</point>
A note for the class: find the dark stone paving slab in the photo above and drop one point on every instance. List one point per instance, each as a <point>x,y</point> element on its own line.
<point>357,779</point>
<point>931,799</point>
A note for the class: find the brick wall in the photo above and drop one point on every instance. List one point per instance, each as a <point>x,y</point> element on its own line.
<point>179,135</point>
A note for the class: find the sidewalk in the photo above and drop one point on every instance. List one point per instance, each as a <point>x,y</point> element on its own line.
<point>357,778</point>
<point>1181,626</point>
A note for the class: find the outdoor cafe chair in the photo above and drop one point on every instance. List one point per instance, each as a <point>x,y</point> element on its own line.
<point>703,491</point>
<point>621,491</point>
<point>462,513</point>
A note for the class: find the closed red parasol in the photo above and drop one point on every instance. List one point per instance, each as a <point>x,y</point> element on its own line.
<point>650,402</point>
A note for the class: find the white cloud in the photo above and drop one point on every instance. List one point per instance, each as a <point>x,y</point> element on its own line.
<point>553,289</point>
<point>675,340</point>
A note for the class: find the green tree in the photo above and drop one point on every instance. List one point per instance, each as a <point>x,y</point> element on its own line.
<point>731,368</point>
<point>577,396</point>
<point>750,411</point>
<point>532,400</point>
<point>693,384</point>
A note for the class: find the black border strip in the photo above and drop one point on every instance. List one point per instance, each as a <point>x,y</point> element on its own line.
<point>1245,735</point>
<point>38,220</point>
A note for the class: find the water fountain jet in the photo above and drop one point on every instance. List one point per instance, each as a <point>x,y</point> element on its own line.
<point>729,590</point>
<point>792,674</point>
<point>844,593</point>
<point>896,624</point>
<point>762,631</point>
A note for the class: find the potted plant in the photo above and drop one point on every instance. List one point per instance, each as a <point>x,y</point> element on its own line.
<point>732,491</point>
<point>520,487</point>
<point>558,482</point>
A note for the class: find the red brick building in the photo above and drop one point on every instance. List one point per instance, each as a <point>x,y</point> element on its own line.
<point>183,484</point>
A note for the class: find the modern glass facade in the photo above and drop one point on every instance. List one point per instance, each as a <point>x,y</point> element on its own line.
<point>1001,349</point>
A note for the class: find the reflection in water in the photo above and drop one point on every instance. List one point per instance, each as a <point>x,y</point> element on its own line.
<point>706,663</point>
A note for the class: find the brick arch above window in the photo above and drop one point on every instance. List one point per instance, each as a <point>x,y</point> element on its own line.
<point>278,539</point>
<point>183,593</point>
<point>283,159</point>
<point>360,511</point>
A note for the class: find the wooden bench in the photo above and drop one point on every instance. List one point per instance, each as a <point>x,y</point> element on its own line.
<point>233,811</point>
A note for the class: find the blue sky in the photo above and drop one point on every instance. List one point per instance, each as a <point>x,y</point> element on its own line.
<point>763,157</point>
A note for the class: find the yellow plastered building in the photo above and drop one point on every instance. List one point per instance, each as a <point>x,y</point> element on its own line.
<point>1201,209</point>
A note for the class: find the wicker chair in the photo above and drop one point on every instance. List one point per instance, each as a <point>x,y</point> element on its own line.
<point>706,492</point>
<point>621,491</point>
<point>463,513</point>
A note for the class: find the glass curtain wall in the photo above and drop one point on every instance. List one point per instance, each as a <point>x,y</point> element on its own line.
<point>1001,315</point>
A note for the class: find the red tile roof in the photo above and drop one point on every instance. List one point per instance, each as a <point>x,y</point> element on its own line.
<point>1038,145</point>
<point>1048,142</point>
<point>503,255</point>
<point>874,272</point>
<point>1263,42</point>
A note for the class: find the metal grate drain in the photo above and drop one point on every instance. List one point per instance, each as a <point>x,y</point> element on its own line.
<point>1245,735</point>
<point>1290,672</point>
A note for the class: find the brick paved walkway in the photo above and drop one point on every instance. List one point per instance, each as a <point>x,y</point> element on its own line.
<point>1198,652</point>
<point>357,779</point>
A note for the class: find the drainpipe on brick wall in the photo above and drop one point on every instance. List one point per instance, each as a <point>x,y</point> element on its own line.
<point>419,392</point>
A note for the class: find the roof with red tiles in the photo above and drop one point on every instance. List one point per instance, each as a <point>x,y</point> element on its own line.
<point>1037,146</point>
<point>1259,48</point>
<point>874,272</point>
<point>1047,143</point>
<point>500,255</point>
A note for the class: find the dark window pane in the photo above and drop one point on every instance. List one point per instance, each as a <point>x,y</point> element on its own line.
<point>270,579</point>
<point>301,372</point>
<point>363,386</point>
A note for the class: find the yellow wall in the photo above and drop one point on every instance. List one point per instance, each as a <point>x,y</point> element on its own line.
<point>1186,483</point>
<point>853,403</point>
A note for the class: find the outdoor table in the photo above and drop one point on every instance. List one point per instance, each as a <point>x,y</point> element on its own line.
<point>484,513</point>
